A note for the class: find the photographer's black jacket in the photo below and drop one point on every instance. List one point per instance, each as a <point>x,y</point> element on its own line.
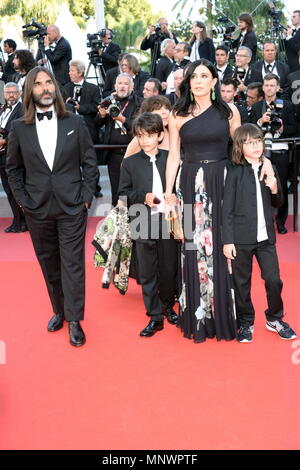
<point>250,41</point>
<point>288,117</point>
<point>110,56</point>
<point>110,136</point>
<point>239,211</point>
<point>59,59</point>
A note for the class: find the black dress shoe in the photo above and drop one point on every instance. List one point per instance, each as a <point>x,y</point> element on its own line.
<point>281,229</point>
<point>77,336</point>
<point>23,228</point>
<point>56,323</point>
<point>171,315</point>
<point>11,229</point>
<point>152,327</point>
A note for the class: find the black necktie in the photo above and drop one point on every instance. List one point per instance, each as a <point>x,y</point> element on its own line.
<point>269,68</point>
<point>41,116</point>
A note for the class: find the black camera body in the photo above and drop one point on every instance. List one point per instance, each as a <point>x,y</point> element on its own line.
<point>159,35</point>
<point>226,29</point>
<point>3,135</point>
<point>94,41</point>
<point>111,105</point>
<point>275,111</point>
<point>35,30</point>
<point>76,94</point>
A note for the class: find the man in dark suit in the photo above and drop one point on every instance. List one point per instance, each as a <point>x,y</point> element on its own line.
<point>58,52</point>
<point>110,51</point>
<point>247,36</point>
<point>82,96</point>
<point>270,65</point>
<point>292,41</point>
<point>260,115</point>
<point>52,170</point>
<point>9,47</point>
<point>228,93</point>
<point>223,68</point>
<point>166,63</point>
<point>12,110</point>
<point>242,71</point>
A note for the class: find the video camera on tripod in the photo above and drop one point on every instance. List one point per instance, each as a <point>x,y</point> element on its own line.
<point>35,30</point>
<point>226,30</point>
<point>95,42</point>
<point>274,109</point>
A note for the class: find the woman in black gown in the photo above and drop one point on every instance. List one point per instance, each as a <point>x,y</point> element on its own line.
<point>202,123</point>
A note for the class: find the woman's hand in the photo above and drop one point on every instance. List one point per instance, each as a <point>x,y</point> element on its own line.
<point>171,199</point>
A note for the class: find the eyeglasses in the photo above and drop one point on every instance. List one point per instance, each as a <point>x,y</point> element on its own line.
<point>11,92</point>
<point>241,55</point>
<point>254,143</point>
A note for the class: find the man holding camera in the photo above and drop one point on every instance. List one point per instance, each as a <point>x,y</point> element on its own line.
<point>59,54</point>
<point>109,51</point>
<point>292,41</point>
<point>270,113</point>
<point>155,36</point>
<point>242,71</point>
<point>83,97</point>
<point>116,114</point>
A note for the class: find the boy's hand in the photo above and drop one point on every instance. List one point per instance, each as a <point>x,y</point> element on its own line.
<point>229,251</point>
<point>171,199</point>
<point>149,199</point>
<point>271,182</point>
<point>267,169</point>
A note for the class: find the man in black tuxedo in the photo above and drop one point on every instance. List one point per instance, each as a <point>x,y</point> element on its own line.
<point>9,47</point>
<point>292,41</point>
<point>247,36</point>
<point>260,115</point>
<point>270,65</point>
<point>222,63</point>
<point>12,110</point>
<point>109,51</point>
<point>52,170</point>
<point>59,53</point>
<point>228,93</point>
<point>82,96</point>
<point>111,76</point>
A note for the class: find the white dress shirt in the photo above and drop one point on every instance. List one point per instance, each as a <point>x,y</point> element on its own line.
<point>195,52</point>
<point>6,115</point>
<point>47,135</point>
<point>157,187</point>
<point>221,71</point>
<point>261,222</point>
<point>273,69</point>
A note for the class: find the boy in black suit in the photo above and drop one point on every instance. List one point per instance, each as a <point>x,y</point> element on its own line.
<point>142,182</point>
<point>248,230</point>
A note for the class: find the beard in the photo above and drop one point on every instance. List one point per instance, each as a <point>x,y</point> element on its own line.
<point>44,100</point>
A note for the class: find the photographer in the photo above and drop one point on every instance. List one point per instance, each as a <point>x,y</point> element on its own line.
<point>59,53</point>
<point>156,35</point>
<point>109,51</point>
<point>9,47</point>
<point>152,87</point>
<point>23,62</point>
<point>270,113</point>
<point>292,41</point>
<point>116,114</point>
<point>247,36</point>
<point>242,71</point>
<point>269,64</point>
<point>83,97</point>
<point>12,110</point>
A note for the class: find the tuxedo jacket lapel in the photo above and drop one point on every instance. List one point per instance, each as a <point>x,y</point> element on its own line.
<point>61,138</point>
<point>34,142</point>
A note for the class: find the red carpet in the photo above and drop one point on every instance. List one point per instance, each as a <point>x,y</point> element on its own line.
<point>123,392</point>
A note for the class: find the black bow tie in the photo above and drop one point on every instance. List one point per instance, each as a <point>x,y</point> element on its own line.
<point>41,116</point>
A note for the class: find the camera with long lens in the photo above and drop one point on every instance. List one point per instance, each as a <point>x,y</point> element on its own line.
<point>111,105</point>
<point>226,29</point>
<point>275,111</point>
<point>76,94</point>
<point>270,128</point>
<point>35,30</point>
<point>275,14</point>
<point>94,42</point>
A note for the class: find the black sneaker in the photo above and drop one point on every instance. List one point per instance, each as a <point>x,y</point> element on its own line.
<point>244,335</point>
<point>283,329</point>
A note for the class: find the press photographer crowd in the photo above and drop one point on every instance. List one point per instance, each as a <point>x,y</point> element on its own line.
<point>262,90</point>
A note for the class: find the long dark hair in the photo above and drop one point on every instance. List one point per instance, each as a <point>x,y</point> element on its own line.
<point>248,20</point>
<point>28,103</point>
<point>26,60</point>
<point>203,34</point>
<point>185,106</point>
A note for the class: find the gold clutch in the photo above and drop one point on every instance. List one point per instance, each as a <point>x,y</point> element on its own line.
<point>175,227</point>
